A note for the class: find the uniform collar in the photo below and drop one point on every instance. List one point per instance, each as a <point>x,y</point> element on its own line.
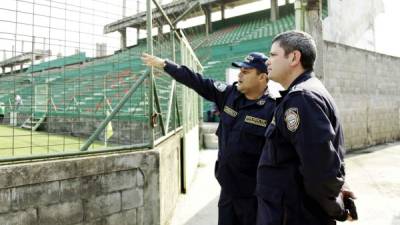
<point>259,102</point>
<point>303,77</point>
<point>237,93</point>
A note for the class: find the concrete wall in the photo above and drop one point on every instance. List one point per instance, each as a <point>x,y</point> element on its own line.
<point>127,188</point>
<point>124,132</point>
<point>170,177</point>
<point>365,86</point>
<point>191,144</point>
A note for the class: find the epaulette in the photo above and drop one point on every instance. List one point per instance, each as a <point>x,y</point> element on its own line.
<point>297,88</point>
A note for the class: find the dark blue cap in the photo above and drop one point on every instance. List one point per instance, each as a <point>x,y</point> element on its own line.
<point>254,60</point>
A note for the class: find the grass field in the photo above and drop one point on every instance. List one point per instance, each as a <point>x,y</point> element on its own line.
<point>15,141</point>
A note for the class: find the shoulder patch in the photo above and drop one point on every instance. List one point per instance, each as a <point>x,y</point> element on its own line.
<point>292,119</point>
<point>220,86</point>
<point>256,121</point>
<point>230,111</point>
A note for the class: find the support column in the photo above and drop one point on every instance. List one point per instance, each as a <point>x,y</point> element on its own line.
<point>299,20</point>
<point>123,38</point>
<point>287,2</point>
<point>210,27</point>
<point>313,26</point>
<point>3,70</point>
<point>149,27</point>
<point>274,10</point>
<point>137,35</point>
<point>208,23</point>
<point>160,32</point>
<point>21,66</point>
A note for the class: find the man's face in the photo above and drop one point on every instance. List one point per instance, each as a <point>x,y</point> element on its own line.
<point>278,64</point>
<point>248,79</point>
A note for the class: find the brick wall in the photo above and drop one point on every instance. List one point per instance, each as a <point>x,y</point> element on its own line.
<point>365,86</point>
<point>107,189</point>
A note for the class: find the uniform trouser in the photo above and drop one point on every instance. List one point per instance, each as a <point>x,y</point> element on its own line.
<point>273,213</point>
<point>237,211</point>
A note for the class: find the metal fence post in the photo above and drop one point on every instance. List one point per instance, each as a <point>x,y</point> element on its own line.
<point>149,25</point>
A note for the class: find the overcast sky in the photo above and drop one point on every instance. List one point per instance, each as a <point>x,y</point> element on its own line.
<point>387,28</point>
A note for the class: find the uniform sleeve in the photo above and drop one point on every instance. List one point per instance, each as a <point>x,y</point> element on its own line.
<point>309,129</point>
<point>207,88</point>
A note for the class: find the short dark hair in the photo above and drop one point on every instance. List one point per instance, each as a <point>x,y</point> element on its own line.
<point>301,41</point>
<point>258,71</point>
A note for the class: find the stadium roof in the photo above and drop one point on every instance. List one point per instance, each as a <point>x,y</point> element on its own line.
<point>173,9</point>
<point>25,57</point>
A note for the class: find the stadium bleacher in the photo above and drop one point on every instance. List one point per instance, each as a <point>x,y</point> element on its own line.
<point>78,84</point>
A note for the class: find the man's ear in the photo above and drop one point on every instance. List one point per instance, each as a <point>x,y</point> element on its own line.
<point>296,58</point>
<point>263,75</point>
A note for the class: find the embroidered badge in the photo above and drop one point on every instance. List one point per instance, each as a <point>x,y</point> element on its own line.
<point>292,119</point>
<point>220,86</point>
<point>249,58</point>
<point>261,102</point>
<point>255,121</point>
<point>230,111</point>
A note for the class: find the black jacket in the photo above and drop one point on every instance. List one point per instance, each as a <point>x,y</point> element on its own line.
<point>301,169</point>
<point>240,132</point>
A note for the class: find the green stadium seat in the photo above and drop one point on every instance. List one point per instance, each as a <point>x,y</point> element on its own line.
<point>78,79</point>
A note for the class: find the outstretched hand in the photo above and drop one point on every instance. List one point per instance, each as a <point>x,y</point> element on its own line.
<point>150,60</point>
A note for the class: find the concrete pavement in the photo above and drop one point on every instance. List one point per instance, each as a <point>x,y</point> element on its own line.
<point>199,205</point>
<point>372,173</point>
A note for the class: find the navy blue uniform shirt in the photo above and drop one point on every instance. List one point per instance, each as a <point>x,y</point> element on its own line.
<point>240,132</point>
<point>301,168</point>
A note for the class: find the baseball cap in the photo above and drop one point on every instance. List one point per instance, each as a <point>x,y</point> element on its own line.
<point>254,60</point>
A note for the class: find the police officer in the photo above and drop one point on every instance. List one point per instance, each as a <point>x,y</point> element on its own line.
<point>246,110</point>
<point>301,171</point>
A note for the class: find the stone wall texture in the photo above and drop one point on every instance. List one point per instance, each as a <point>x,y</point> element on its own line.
<point>122,188</point>
<point>365,86</point>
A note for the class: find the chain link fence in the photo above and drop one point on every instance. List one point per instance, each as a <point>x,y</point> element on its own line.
<point>72,79</point>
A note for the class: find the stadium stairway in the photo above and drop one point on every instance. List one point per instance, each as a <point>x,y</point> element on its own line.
<point>34,122</point>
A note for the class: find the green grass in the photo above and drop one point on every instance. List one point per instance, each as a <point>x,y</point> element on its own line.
<point>17,142</point>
